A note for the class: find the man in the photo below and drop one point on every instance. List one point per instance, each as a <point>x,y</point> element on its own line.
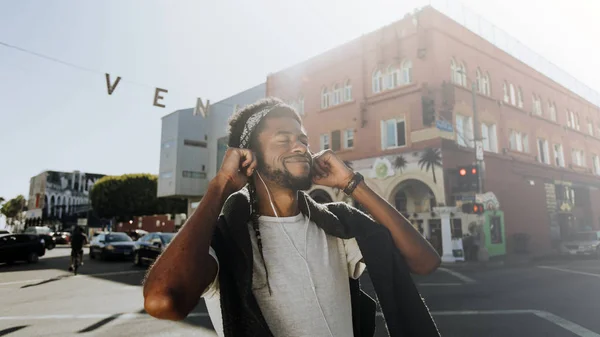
<point>77,241</point>
<point>269,261</point>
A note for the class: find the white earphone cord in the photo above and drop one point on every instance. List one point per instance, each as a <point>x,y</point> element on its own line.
<point>312,282</point>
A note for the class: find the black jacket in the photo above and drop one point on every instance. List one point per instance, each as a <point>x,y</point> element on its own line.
<point>404,310</point>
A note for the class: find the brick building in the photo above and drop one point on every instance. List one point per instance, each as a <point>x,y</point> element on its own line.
<point>397,103</point>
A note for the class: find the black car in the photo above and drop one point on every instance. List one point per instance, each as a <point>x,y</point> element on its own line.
<point>150,246</point>
<point>21,247</point>
<point>44,232</point>
<point>111,245</point>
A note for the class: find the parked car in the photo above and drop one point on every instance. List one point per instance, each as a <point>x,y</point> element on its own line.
<point>61,238</point>
<point>111,245</point>
<point>21,247</point>
<point>583,243</point>
<point>4,231</point>
<point>150,246</point>
<point>44,232</point>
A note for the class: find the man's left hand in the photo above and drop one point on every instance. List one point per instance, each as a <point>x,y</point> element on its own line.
<point>330,171</point>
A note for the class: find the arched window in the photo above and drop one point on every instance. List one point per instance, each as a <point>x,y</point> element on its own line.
<point>463,75</point>
<point>406,68</point>
<point>324,98</point>
<point>336,95</point>
<point>392,78</point>
<point>520,98</point>
<point>513,98</point>
<point>479,80</point>
<point>505,89</point>
<point>348,91</point>
<point>455,72</point>
<point>487,84</point>
<point>377,81</point>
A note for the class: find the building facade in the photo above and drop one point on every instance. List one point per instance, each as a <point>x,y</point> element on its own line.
<point>398,105</point>
<point>192,147</point>
<point>60,198</point>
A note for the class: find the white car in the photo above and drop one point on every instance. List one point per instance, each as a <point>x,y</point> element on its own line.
<point>583,243</point>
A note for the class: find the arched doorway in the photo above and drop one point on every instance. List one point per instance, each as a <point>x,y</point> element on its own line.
<point>320,196</point>
<point>415,200</point>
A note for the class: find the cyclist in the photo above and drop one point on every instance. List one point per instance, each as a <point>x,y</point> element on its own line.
<point>77,241</point>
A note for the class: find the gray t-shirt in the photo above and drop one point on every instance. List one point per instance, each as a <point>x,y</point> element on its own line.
<point>293,310</point>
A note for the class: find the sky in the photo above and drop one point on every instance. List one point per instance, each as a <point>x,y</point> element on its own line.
<point>58,117</point>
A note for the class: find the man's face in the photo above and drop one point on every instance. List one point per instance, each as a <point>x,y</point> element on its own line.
<point>283,156</point>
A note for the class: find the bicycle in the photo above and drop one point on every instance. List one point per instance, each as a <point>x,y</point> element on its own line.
<point>77,262</point>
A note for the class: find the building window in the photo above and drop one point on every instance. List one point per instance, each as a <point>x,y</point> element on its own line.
<point>537,105</point>
<point>512,94</point>
<point>392,78</point>
<point>348,91</point>
<point>393,133</point>
<point>590,128</point>
<point>490,139</point>
<point>324,98</point>
<point>519,141</point>
<point>573,120</point>
<point>194,174</point>
<point>543,153</point>
<point>336,95</point>
<point>552,111</point>
<point>459,73</point>
<point>596,161</point>
<point>578,158</point>
<point>464,131</point>
<point>483,83</point>
<point>325,142</point>
<point>406,71</point>
<point>195,143</point>
<point>168,144</point>
<point>505,89</point>
<point>377,81</point>
<point>349,138</point>
<point>166,175</point>
<point>559,156</point>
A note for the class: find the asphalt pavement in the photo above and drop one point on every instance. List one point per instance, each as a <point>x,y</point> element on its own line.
<point>559,298</point>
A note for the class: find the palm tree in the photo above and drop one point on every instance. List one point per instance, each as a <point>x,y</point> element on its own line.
<point>430,158</point>
<point>400,163</point>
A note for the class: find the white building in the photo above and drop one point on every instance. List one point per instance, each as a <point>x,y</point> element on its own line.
<point>192,147</point>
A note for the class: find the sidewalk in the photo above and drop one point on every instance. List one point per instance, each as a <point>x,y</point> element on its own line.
<point>508,261</point>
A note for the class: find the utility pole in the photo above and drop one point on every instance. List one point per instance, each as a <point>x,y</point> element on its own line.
<point>478,140</point>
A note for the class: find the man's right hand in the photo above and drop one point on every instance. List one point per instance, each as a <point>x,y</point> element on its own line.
<point>238,165</point>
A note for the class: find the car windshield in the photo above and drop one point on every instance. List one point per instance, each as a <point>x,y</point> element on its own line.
<point>585,237</point>
<point>117,238</point>
<point>167,237</point>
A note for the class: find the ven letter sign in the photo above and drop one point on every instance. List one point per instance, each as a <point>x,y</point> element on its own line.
<point>200,107</point>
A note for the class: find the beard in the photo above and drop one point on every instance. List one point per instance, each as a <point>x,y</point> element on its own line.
<point>283,177</point>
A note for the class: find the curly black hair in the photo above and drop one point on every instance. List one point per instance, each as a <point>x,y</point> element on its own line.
<point>234,132</point>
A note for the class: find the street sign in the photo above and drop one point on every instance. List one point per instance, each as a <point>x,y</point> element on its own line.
<point>479,150</point>
<point>443,125</point>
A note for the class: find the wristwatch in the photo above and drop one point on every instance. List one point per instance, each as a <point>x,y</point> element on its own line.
<point>356,179</point>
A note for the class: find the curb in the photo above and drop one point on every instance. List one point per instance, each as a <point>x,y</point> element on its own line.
<point>498,264</point>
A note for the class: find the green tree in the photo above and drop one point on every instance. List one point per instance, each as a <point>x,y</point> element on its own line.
<point>130,195</point>
<point>13,208</point>
<point>400,163</point>
<point>429,160</point>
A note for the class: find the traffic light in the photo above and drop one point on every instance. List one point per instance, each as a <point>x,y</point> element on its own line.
<point>468,178</point>
<point>472,208</point>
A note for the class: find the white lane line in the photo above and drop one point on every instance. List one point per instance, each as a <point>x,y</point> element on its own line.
<point>567,325</point>
<point>458,275</point>
<point>131,315</point>
<point>63,275</point>
<point>559,321</point>
<point>569,271</point>
<point>439,284</point>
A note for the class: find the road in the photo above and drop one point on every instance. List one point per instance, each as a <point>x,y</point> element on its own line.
<point>561,298</point>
